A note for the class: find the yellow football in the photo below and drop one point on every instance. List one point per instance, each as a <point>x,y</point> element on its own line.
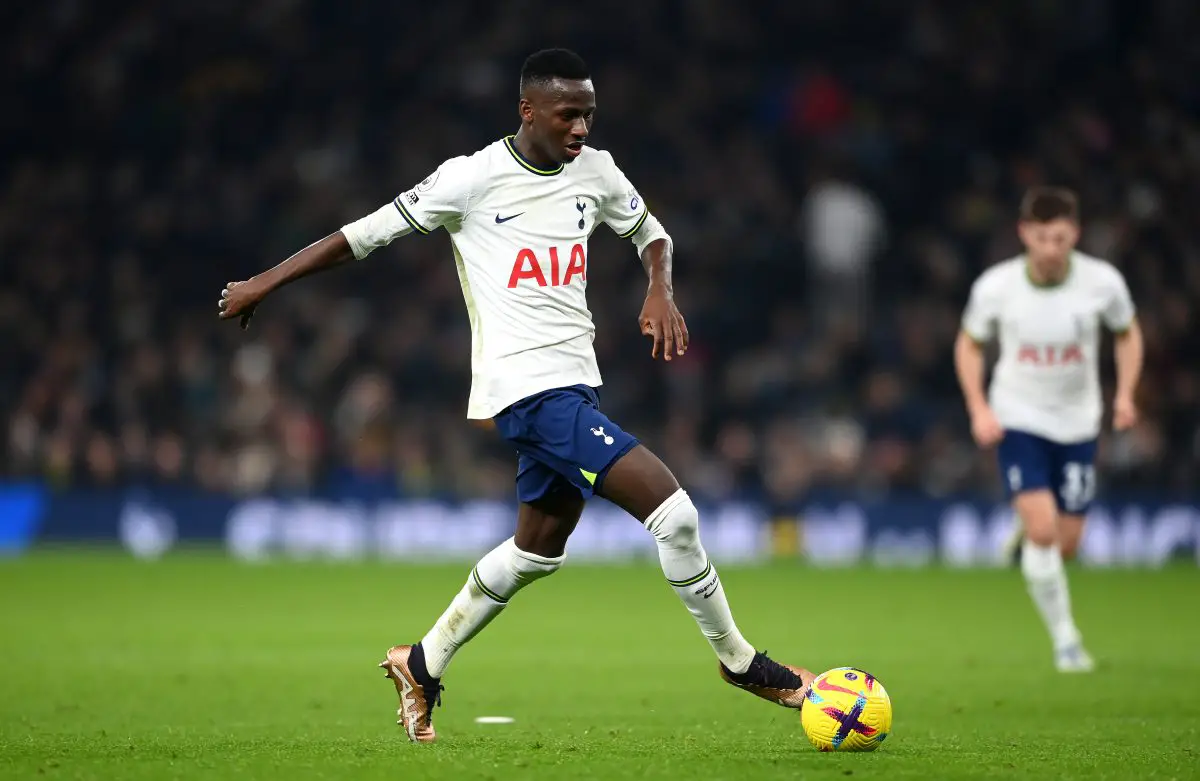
<point>846,709</point>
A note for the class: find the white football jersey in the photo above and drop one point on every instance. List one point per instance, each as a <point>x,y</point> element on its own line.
<point>1047,379</point>
<point>520,239</point>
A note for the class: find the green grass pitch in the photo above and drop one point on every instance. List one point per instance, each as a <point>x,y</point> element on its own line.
<point>198,667</point>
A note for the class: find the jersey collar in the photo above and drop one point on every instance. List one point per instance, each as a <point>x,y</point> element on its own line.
<point>1049,285</point>
<point>524,163</point>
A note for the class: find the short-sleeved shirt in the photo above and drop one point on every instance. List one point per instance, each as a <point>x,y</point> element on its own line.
<point>1047,379</point>
<point>520,240</point>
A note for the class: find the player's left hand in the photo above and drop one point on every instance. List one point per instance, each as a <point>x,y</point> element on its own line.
<point>661,320</point>
<point>1125,414</point>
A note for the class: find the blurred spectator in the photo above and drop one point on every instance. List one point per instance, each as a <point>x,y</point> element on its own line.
<point>842,226</point>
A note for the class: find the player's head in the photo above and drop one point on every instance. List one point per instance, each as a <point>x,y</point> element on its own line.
<point>557,103</point>
<point>1049,229</point>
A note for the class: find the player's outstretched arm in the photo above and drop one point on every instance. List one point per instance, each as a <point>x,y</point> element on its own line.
<point>440,197</point>
<point>239,299</point>
<point>1128,352</point>
<point>660,318</point>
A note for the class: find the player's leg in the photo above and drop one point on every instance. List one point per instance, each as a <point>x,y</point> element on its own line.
<point>1042,566</point>
<point>564,429</point>
<point>1072,657</point>
<point>544,523</point>
<point>643,486</point>
<point>1012,545</point>
<point>1070,532</point>
<point>535,551</point>
<point>1026,462</point>
<point>1046,578</point>
<point>1073,465</point>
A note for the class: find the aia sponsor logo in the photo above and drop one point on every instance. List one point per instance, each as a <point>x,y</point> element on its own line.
<point>549,270</point>
<point>1050,354</point>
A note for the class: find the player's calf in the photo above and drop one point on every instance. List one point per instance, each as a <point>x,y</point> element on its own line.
<point>1014,542</point>
<point>1045,577</point>
<point>498,576</point>
<point>676,529</point>
<point>643,486</point>
<point>417,670</point>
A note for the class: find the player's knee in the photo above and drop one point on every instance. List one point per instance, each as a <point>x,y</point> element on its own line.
<point>1038,516</point>
<point>1041,534</point>
<point>676,522</point>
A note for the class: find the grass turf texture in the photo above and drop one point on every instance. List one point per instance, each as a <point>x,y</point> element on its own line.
<point>198,667</point>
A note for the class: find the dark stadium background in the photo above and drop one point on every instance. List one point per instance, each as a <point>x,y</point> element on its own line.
<point>152,152</point>
<point>209,537</point>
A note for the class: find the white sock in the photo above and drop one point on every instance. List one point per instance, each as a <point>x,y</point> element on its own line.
<point>496,578</point>
<point>676,527</point>
<point>1042,566</point>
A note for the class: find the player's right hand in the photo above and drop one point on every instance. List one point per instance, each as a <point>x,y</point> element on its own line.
<point>239,299</point>
<point>986,430</point>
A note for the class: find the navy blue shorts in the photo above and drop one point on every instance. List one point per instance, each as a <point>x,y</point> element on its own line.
<point>1030,463</point>
<point>565,443</point>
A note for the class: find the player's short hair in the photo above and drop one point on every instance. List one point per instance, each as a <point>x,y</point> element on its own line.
<point>544,66</point>
<point>1044,204</point>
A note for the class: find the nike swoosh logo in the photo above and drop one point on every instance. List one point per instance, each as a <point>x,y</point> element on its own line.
<point>826,686</point>
<point>501,220</point>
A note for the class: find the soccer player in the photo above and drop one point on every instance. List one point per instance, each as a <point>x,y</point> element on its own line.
<point>1044,406</point>
<point>519,213</point>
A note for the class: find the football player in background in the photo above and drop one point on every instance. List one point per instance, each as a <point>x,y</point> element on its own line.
<point>1044,407</point>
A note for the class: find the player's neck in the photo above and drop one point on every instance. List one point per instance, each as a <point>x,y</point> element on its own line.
<point>525,148</point>
<point>1042,279</point>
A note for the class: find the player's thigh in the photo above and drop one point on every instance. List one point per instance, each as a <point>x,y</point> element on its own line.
<point>638,482</point>
<point>545,523</point>
<point>1026,462</point>
<point>1070,531</point>
<point>563,432</point>
<point>1073,467</point>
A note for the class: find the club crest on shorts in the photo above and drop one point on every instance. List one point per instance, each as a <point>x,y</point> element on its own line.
<point>608,440</point>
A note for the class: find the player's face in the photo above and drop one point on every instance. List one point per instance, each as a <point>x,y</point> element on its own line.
<point>1048,245</point>
<point>559,117</point>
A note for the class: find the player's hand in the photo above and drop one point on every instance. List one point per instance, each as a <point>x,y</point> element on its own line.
<point>239,299</point>
<point>1125,413</point>
<point>985,428</point>
<point>661,320</point>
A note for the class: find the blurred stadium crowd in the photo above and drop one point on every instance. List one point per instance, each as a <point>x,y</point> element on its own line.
<point>834,175</point>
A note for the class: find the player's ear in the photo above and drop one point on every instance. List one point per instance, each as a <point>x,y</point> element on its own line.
<point>525,109</point>
<point>1076,231</point>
